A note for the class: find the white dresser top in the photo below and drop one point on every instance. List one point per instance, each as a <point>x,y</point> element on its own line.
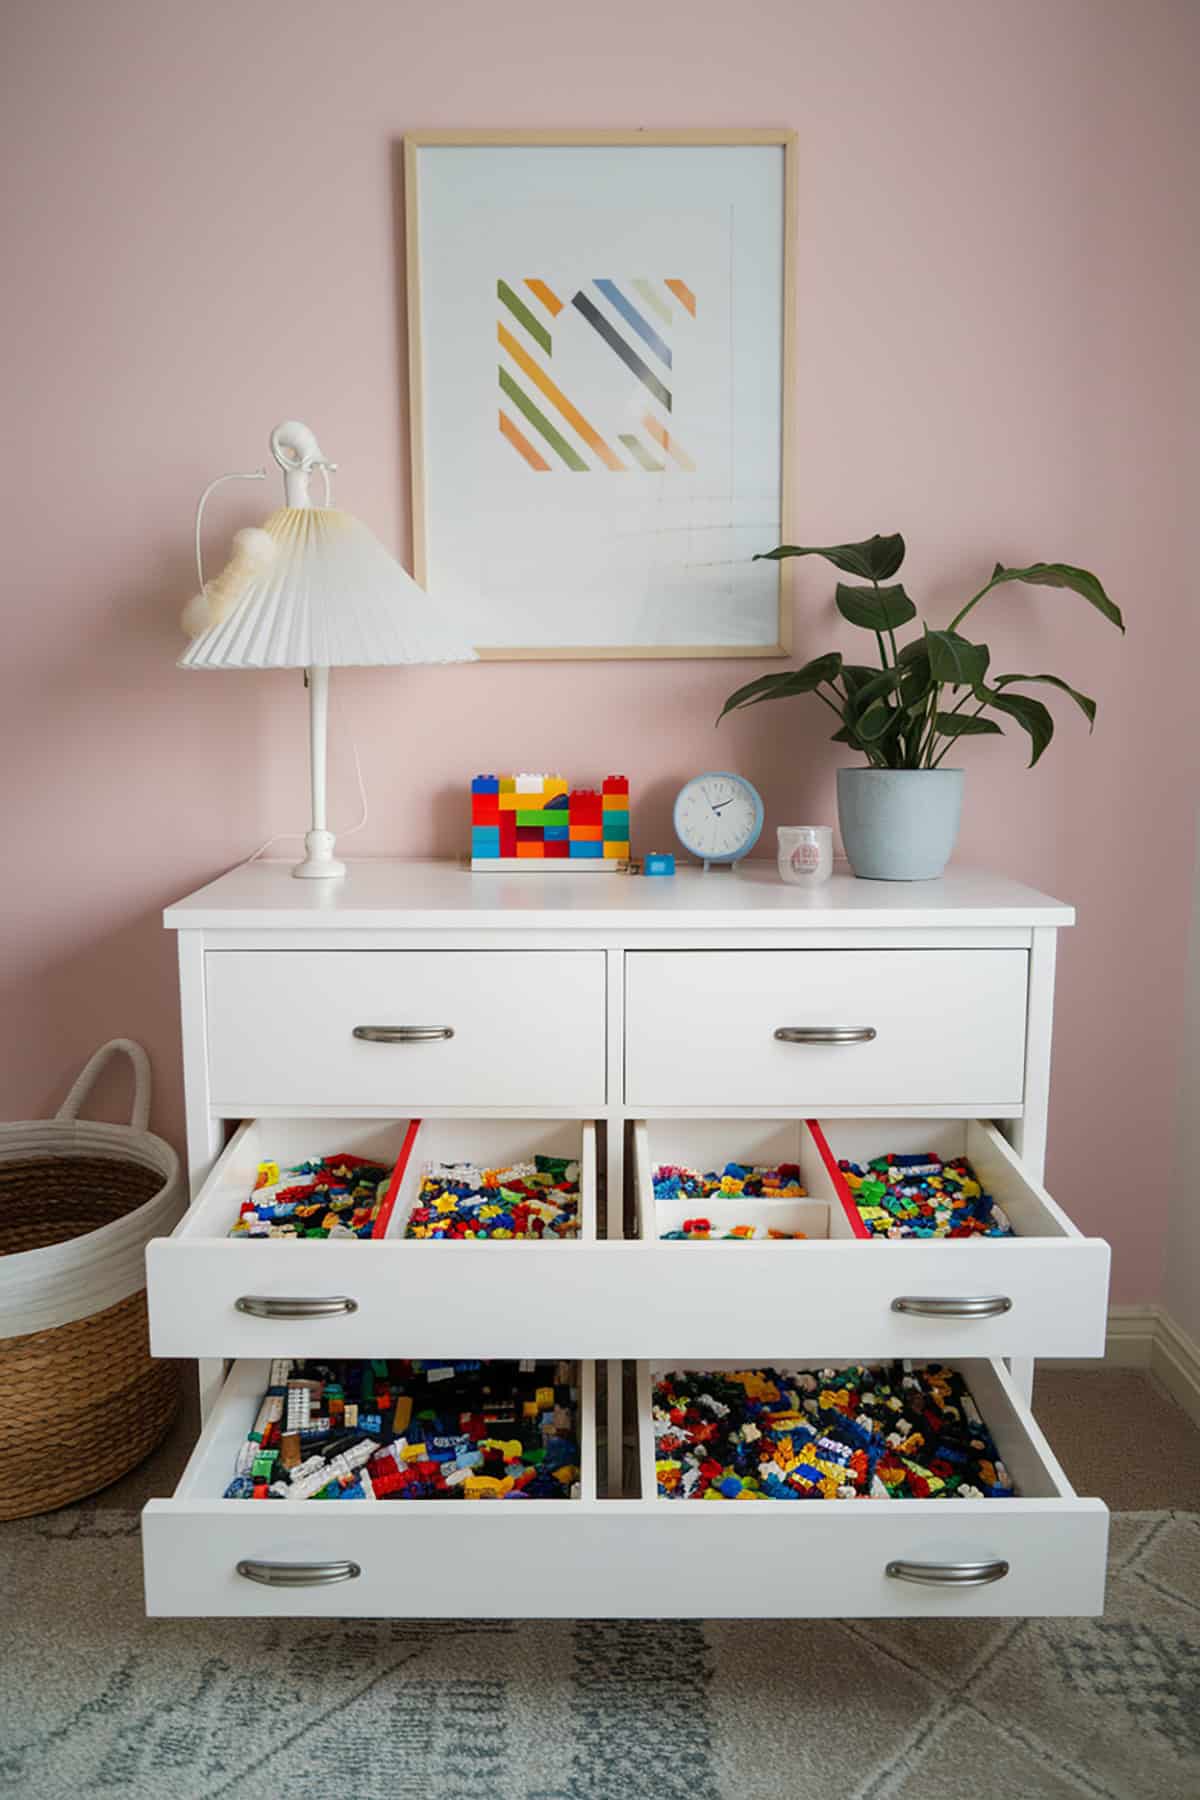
<point>387,893</point>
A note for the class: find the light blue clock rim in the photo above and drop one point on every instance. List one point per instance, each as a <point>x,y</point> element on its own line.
<point>726,856</point>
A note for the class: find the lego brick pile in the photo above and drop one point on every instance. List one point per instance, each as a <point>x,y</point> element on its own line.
<point>897,1432</point>
<point>735,1181</point>
<point>399,1430</point>
<point>540,817</point>
<point>920,1196</point>
<point>332,1197</point>
<point>534,1199</point>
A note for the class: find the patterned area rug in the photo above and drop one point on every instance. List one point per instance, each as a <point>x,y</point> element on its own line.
<point>101,1702</point>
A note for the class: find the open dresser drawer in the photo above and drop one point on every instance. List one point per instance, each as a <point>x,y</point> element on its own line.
<point>1040,1553</point>
<point>214,1295</point>
<point>1043,1291</point>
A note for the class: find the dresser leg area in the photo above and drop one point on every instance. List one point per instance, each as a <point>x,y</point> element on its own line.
<point>210,1371</point>
<point>1021,1369</point>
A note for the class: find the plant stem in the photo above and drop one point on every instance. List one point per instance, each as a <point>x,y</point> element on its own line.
<point>960,616</point>
<point>949,741</point>
<point>934,733</point>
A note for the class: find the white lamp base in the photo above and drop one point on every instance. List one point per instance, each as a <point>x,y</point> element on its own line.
<point>320,864</point>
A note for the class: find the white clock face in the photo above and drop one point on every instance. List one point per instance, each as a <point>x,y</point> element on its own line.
<point>716,816</point>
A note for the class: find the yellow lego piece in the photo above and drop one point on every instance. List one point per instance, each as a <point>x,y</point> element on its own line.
<point>616,803</point>
<point>555,784</point>
<point>487,1487</point>
<point>544,1399</point>
<point>268,1175</point>
<point>509,798</point>
<point>621,850</point>
<point>509,1448</point>
<point>508,784</point>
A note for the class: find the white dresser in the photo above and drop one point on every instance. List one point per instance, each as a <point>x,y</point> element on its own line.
<point>627,1021</point>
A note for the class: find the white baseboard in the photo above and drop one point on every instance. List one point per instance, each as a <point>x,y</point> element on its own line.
<point>1147,1337</point>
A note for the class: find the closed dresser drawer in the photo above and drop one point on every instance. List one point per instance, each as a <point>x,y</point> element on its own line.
<point>826,1028</point>
<point>406,1029</point>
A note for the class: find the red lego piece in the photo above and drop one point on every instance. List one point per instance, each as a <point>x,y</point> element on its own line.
<point>586,808</point>
<point>557,847</point>
<point>508,833</point>
<point>616,784</point>
<point>529,834</point>
<point>485,809</point>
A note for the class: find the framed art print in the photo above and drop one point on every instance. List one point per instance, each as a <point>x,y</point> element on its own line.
<point>599,359</point>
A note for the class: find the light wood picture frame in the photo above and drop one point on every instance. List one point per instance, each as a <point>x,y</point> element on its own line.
<point>673,371</point>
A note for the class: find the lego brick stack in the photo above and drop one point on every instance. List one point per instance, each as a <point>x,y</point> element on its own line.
<point>538,819</point>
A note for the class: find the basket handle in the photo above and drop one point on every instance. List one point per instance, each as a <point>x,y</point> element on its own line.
<point>140,1117</point>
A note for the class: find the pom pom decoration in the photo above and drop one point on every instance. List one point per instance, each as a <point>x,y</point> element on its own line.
<point>252,555</point>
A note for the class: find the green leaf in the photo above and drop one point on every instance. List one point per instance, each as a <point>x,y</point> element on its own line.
<point>954,660</point>
<point>874,722</point>
<point>882,682</point>
<point>855,677</point>
<point>955,725</point>
<point>1056,575</point>
<point>843,736</point>
<point>875,609</point>
<point>876,559</point>
<point>1084,702</point>
<point>782,686</point>
<point>1029,713</point>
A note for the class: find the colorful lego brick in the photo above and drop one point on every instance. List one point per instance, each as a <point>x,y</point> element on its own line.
<point>585,807</point>
<point>554,834</point>
<point>579,850</point>
<point>531,850</point>
<point>508,834</point>
<point>616,825</point>
<point>558,801</point>
<point>508,801</point>
<point>508,784</point>
<point>555,785</point>
<point>485,809</point>
<point>558,846</point>
<point>485,784</point>
<point>485,840</point>
<point>616,784</point>
<point>529,815</point>
<point>618,849</point>
<point>615,802</point>
<point>530,784</point>
<point>587,834</point>
<point>529,834</point>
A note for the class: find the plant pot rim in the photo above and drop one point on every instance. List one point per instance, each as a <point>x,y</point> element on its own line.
<point>857,769</point>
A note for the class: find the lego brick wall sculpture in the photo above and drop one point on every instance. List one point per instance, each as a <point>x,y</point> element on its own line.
<point>540,821</point>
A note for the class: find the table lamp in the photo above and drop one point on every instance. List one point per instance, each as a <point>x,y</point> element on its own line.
<point>313,589</point>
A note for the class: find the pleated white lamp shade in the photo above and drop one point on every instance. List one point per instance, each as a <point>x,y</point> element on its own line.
<point>331,597</point>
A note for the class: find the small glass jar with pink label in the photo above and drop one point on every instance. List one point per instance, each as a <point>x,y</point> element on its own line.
<point>805,854</point>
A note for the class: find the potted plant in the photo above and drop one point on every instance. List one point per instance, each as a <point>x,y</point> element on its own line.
<point>899,815</point>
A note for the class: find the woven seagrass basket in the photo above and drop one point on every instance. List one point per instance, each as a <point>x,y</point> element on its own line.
<point>81,1399</point>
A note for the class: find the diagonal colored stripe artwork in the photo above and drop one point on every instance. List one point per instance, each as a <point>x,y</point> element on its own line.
<point>523,316</point>
<point>581,418</point>
<point>632,316</point>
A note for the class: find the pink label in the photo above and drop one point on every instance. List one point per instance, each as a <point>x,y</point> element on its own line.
<point>805,858</point>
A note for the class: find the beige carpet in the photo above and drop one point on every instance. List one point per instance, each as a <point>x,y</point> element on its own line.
<point>102,1703</point>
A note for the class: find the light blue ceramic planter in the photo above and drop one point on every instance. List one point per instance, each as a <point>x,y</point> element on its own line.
<point>899,824</point>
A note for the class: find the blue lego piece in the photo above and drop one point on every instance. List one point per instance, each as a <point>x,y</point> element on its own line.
<point>486,784</point>
<point>658,862</point>
<point>485,840</point>
<point>593,848</point>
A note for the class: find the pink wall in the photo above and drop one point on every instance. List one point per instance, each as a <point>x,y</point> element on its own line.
<point>992,318</point>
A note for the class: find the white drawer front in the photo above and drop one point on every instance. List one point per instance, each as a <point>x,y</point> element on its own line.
<point>948,1025</point>
<point>525,1028</point>
<point>623,1558</point>
<point>1043,1292</point>
<point>212,1295</point>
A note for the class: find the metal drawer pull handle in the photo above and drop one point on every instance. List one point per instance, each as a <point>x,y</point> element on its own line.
<point>294,1575</point>
<point>403,1034</point>
<point>948,1574</point>
<point>826,1034</point>
<point>962,1306</point>
<point>295,1306</point>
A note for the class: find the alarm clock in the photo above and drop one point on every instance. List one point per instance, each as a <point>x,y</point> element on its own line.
<point>718,817</point>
